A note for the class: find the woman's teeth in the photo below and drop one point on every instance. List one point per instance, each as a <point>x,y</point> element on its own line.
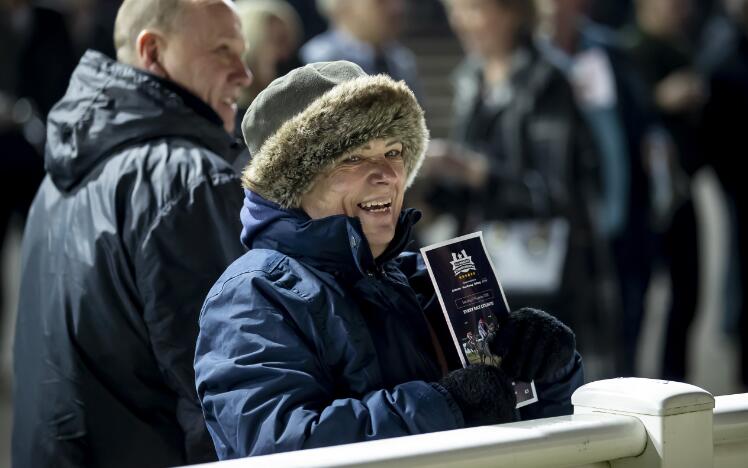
<point>376,207</point>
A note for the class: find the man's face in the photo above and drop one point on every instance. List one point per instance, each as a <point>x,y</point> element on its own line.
<point>483,26</point>
<point>366,183</point>
<point>204,55</point>
<point>375,21</point>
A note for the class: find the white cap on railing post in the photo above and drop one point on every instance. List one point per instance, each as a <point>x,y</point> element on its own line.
<point>677,417</point>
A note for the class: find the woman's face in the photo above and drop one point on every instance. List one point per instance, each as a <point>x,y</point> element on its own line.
<point>484,27</point>
<point>366,183</point>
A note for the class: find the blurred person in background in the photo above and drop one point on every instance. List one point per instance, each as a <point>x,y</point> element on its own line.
<point>721,37</point>
<point>36,60</point>
<point>273,33</point>
<point>91,23</point>
<point>658,44</point>
<point>366,33</point>
<point>619,13</point>
<point>521,164</point>
<point>132,224</point>
<point>609,93</point>
<point>312,21</point>
<point>36,53</point>
<point>725,116</point>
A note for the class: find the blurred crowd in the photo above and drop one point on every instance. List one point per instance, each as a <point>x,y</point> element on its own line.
<point>577,129</point>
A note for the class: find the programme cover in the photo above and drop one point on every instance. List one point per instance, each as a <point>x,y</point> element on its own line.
<point>472,300</point>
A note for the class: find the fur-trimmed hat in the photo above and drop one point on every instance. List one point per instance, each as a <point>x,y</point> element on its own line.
<point>303,121</point>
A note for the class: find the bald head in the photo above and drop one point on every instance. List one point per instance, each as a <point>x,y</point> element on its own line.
<point>135,16</point>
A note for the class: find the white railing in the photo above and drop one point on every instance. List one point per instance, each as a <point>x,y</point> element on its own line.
<point>619,423</point>
<point>731,431</point>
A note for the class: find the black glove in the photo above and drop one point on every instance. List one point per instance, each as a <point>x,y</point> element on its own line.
<point>484,394</point>
<point>532,345</point>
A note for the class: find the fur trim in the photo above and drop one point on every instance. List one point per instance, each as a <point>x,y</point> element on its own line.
<point>345,117</point>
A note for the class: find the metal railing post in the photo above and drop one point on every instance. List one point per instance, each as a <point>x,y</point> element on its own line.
<point>677,418</point>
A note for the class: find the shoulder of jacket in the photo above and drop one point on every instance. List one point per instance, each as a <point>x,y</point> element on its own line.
<point>172,167</point>
<point>279,272</point>
<point>403,54</point>
<point>171,157</point>
<point>160,177</point>
<point>186,157</point>
<point>319,48</point>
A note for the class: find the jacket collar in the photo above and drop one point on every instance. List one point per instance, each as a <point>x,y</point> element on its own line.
<point>193,102</point>
<point>335,244</point>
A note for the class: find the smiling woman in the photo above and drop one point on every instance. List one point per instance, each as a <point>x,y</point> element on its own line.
<point>321,333</point>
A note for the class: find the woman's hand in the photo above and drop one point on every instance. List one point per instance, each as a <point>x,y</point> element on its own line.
<point>532,344</point>
<point>484,394</point>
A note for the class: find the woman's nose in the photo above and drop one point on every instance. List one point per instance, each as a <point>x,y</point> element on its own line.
<point>384,171</point>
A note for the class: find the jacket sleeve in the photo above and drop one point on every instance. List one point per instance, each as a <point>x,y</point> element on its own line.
<point>587,176</point>
<point>187,246</point>
<point>266,386</point>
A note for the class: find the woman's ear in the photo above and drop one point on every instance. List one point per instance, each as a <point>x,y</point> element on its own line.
<point>150,48</point>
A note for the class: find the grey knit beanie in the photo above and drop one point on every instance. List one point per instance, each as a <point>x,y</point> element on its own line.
<point>302,121</point>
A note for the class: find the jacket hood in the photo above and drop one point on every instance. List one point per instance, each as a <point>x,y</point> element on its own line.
<point>109,105</point>
<point>335,243</point>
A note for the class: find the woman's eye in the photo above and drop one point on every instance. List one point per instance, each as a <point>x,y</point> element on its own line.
<point>393,154</point>
<point>353,158</point>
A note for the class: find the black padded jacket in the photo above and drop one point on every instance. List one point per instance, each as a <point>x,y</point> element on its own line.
<point>135,220</point>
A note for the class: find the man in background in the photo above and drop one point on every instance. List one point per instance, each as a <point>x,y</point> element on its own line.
<point>365,32</point>
<point>663,52</point>
<point>609,94</point>
<point>134,221</point>
<point>724,138</point>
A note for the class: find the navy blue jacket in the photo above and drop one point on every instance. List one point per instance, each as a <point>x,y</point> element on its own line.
<point>307,341</point>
